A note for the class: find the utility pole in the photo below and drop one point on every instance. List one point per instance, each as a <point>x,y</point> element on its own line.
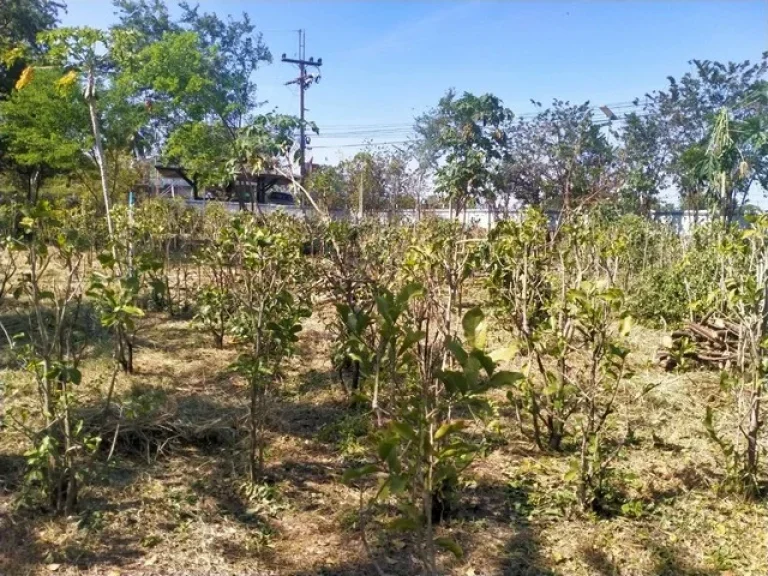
<point>304,81</point>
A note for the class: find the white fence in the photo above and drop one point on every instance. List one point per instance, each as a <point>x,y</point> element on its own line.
<point>681,221</point>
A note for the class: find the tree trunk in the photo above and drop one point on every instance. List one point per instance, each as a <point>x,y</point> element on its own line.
<point>361,200</point>
<point>32,186</point>
<point>753,429</point>
<point>98,147</point>
<point>252,463</point>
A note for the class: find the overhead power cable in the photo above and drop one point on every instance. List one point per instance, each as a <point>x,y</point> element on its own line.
<point>372,134</point>
<point>373,126</point>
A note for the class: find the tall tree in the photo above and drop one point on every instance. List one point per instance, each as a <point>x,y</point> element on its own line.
<point>464,138</point>
<point>150,18</point>
<point>46,131</point>
<point>686,112</point>
<point>92,57</point>
<point>731,148</point>
<point>328,188</point>
<point>196,76</point>
<point>238,51</point>
<point>642,155</point>
<point>20,23</point>
<point>561,157</point>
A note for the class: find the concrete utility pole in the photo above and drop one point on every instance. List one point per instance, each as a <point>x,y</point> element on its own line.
<point>304,81</point>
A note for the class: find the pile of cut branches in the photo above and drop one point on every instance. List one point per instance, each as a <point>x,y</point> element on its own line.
<point>152,433</point>
<point>713,342</point>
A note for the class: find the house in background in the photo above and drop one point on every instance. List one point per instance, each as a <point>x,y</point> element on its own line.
<point>247,190</point>
<point>171,182</point>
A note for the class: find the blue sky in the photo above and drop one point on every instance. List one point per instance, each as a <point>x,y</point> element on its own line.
<point>386,61</point>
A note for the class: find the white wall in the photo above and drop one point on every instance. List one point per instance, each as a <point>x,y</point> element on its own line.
<point>682,221</point>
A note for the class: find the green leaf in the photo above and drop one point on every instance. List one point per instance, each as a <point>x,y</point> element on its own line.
<point>409,291</point>
<point>455,348</point>
<point>384,488</point>
<point>410,339</point>
<point>357,473</point>
<point>450,545</point>
<point>504,354</point>
<point>474,327</point>
<point>626,325</point>
<point>458,450</point>
<point>505,378</point>
<point>454,381</point>
<point>106,259</point>
<point>397,483</point>
<point>484,360</point>
<point>74,375</point>
<point>133,311</point>
<point>573,472</point>
<point>449,428</point>
<point>571,475</point>
<point>403,430</point>
<point>551,388</point>
<point>386,448</point>
<point>384,305</point>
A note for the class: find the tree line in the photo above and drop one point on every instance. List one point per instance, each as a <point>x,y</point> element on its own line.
<point>82,110</point>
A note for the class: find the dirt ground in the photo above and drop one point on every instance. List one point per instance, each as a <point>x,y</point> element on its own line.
<point>182,507</point>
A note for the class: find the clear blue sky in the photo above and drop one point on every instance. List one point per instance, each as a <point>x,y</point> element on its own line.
<point>386,61</point>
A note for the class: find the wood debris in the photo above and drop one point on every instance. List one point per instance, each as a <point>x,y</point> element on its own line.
<point>714,342</point>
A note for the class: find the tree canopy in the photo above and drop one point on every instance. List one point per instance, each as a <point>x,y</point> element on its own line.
<point>180,87</point>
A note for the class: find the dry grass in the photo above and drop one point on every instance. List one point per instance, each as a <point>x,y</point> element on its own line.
<point>186,511</point>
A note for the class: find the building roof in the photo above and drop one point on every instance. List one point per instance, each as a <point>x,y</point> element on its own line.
<point>267,178</point>
<point>173,172</point>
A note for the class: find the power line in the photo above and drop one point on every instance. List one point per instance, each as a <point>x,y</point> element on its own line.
<point>371,143</point>
<point>362,144</point>
<point>523,115</point>
<point>331,135</point>
<point>361,133</point>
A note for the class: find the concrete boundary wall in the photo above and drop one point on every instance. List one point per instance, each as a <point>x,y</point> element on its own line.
<point>681,221</point>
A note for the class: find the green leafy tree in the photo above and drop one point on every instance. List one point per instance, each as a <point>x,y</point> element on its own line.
<point>463,139</point>
<point>55,343</point>
<point>45,131</point>
<point>268,307</point>
<point>150,18</point>
<point>202,150</point>
<point>686,111</point>
<point>20,23</point>
<point>724,167</point>
<point>238,52</point>
<point>91,57</point>
<point>561,158</point>
<point>642,157</point>
<point>196,77</point>
<point>370,181</point>
<point>264,145</point>
<point>736,423</point>
<point>328,188</point>
<point>422,451</point>
<point>594,310</point>
<point>364,183</point>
